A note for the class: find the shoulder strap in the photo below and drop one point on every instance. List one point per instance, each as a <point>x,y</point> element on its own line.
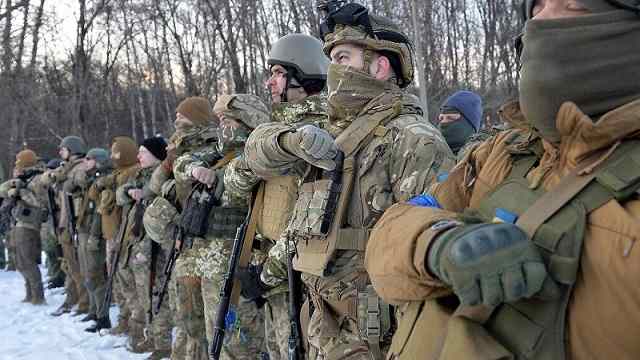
<point>353,137</point>
<point>225,160</point>
<point>250,235</point>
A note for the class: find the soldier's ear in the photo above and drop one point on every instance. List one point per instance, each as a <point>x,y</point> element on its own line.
<point>381,68</point>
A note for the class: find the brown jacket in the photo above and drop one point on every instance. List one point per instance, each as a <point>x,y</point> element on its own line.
<point>603,321</point>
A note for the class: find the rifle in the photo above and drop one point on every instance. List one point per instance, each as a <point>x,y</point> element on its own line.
<point>71,218</point>
<point>193,223</point>
<point>226,290</point>
<point>53,208</point>
<point>295,348</point>
<point>176,250</point>
<point>116,258</point>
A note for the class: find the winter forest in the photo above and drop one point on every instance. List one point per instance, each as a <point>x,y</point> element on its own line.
<point>125,64</point>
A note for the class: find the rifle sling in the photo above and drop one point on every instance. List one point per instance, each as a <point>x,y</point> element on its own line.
<point>247,245</point>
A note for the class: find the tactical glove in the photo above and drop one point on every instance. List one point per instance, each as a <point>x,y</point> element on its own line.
<point>252,287</point>
<point>488,263</point>
<point>313,145</point>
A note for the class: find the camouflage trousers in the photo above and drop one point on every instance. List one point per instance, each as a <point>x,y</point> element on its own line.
<point>92,255</point>
<point>28,249</point>
<point>179,345</point>
<point>53,250</point>
<point>73,285</point>
<point>337,328</point>
<point>158,326</point>
<point>277,326</point>
<point>200,271</point>
<point>131,310</point>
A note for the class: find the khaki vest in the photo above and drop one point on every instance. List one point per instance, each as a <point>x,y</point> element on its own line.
<point>531,328</point>
<point>280,195</point>
<point>316,252</point>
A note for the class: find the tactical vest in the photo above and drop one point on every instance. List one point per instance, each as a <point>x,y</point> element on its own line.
<point>535,328</point>
<point>315,251</point>
<point>280,195</point>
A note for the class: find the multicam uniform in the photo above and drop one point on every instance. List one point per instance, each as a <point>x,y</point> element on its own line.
<point>92,247</point>
<point>280,193</point>
<point>29,212</point>
<point>74,288</point>
<point>142,261</point>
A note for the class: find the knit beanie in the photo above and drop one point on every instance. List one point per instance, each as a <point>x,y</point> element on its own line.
<point>26,159</point>
<point>157,146</point>
<point>196,109</point>
<point>467,103</point>
<point>124,152</point>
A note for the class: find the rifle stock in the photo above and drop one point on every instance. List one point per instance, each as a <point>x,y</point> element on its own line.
<point>219,327</point>
<point>116,258</point>
<point>295,348</point>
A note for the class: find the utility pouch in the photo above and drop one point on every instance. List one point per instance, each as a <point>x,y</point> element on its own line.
<point>317,202</point>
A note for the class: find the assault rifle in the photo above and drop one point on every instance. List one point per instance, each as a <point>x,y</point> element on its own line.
<point>219,326</point>
<point>335,189</point>
<point>71,221</point>
<point>53,208</point>
<point>116,257</point>
<point>193,223</point>
<point>295,348</point>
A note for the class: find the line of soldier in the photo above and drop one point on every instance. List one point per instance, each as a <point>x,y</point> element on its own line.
<point>521,249</point>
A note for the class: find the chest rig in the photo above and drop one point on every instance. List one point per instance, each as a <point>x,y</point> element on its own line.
<point>557,225</point>
<point>318,241</point>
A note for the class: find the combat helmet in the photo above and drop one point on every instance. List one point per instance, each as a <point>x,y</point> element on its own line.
<point>351,23</point>
<point>101,156</point>
<point>303,57</point>
<point>75,144</point>
<point>245,108</point>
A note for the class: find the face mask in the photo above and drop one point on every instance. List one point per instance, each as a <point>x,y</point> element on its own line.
<point>230,138</point>
<point>350,91</point>
<point>591,60</point>
<point>457,133</point>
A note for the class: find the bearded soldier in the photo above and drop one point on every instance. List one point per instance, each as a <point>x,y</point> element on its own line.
<point>72,150</point>
<point>141,256</point>
<point>391,153</point>
<point>26,195</point>
<point>298,74</point>
<point>528,249</point>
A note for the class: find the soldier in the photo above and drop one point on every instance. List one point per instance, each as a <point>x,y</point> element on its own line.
<point>530,253</point>
<point>50,243</point>
<point>141,257</point>
<point>159,223</point>
<point>459,120</point>
<point>26,195</point>
<point>92,247</point>
<point>71,150</point>
<point>200,269</point>
<point>391,153</point>
<point>196,134</point>
<point>298,74</point>
<point>125,166</point>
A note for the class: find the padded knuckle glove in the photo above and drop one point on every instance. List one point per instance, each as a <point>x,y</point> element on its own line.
<point>312,144</point>
<point>488,263</point>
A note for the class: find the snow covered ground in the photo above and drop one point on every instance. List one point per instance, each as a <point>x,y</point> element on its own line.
<point>28,332</point>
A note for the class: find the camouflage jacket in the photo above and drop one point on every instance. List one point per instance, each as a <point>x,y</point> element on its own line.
<point>63,178</point>
<point>31,199</point>
<point>475,140</point>
<point>240,178</point>
<point>401,160</point>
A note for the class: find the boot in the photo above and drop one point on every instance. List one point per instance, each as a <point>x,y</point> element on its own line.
<point>137,342</point>
<point>159,355</point>
<point>27,290</point>
<point>89,317</point>
<point>101,323</point>
<point>55,283</point>
<point>80,311</point>
<point>122,328</point>
<point>63,309</point>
